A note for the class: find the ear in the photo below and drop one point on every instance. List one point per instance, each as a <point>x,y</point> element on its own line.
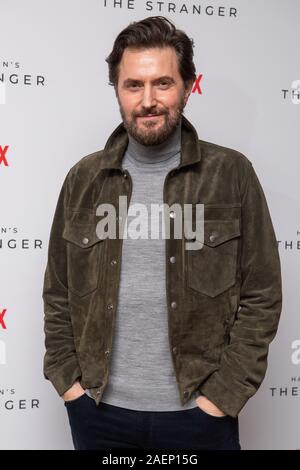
<point>188,90</point>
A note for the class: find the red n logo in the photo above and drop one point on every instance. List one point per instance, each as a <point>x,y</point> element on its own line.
<point>3,155</point>
<point>196,87</point>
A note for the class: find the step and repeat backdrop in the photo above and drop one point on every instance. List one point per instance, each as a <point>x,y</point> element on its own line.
<point>57,106</point>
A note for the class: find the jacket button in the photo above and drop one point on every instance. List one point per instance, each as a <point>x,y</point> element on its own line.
<point>110,306</point>
<point>212,237</point>
<point>174,350</point>
<point>172,214</point>
<point>125,174</point>
<point>85,240</point>
<point>113,261</point>
<point>190,236</point>
<point>106,352</point>
<point>173,304</point>
<point>172,259</point>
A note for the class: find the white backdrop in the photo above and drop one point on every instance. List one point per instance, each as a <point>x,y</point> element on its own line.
<point>56,106</point>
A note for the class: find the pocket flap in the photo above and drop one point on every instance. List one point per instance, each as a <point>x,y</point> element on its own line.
<point>219,231</point>
<point>81,235</point>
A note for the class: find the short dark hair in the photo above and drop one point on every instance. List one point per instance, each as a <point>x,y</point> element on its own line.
<point>153,31</point>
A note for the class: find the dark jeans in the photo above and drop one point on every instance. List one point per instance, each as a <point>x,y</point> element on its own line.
<point>107,426</point>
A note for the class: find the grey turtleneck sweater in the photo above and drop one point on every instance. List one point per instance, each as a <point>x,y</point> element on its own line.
<point>141,375</point>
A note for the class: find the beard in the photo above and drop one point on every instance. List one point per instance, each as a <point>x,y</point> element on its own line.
<point>149,133</point>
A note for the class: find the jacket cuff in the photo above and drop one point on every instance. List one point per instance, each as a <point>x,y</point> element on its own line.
<point>65,376</point>
<point>217,392</point>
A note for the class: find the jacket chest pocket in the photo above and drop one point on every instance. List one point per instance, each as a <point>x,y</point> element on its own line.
<point>212,269</point>
<point>84,253</point>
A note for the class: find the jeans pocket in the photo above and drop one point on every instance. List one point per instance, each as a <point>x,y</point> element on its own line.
<point>211,417</point>
<point>76,400</point>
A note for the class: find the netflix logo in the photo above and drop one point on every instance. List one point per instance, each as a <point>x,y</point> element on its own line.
<point>2,322</point>
<point>3,155</point>
<point>196,88</point>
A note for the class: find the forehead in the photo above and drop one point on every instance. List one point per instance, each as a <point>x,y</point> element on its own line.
<point>148,63</point>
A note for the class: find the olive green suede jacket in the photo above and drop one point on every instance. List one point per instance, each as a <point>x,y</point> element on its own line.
<point>224,300</point>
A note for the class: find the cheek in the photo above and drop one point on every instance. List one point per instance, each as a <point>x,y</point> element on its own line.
<point>133,106</point>
<point>128,103</point>
<point>170,101</point>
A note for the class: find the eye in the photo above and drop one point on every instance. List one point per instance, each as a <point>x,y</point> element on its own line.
<point>164,84</point>
<point>134,86</point>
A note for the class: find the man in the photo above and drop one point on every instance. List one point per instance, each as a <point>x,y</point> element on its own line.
<point>151,344</point>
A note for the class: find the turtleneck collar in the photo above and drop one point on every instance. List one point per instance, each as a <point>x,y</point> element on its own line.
<point>155,153</point>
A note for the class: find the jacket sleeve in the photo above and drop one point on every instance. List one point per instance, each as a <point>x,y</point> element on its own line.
<point>244,359</point>
<point>61,366</point>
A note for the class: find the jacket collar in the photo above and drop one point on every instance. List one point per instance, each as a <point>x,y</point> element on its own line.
<point>117,142</point>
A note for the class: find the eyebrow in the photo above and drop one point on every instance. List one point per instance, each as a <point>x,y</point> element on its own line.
<point>130,81</point>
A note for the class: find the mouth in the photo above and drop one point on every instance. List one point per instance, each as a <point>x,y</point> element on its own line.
<point>150,116</point>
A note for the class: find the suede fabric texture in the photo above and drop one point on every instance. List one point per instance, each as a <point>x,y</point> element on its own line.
<point>224,300</point>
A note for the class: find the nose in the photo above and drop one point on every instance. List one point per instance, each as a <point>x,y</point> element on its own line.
<point>149,97</point>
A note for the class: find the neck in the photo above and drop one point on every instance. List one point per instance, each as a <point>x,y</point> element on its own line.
<point>155,153</point>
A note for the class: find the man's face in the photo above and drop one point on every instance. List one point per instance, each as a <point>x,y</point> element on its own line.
<point>151,93</point>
